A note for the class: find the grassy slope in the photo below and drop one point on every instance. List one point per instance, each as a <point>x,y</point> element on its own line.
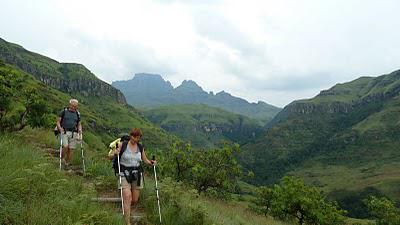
<point>47,66</point>
<point>103,119</point>
<point>34,173</point>
<point>338,151</point>
<point>203,125</point>
<point>32,191</point>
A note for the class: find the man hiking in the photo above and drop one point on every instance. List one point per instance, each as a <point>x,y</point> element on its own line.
<point>131,155</point>
<point>70,127</point>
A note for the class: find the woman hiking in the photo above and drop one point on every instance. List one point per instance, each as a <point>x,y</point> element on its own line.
<point>131,155</point>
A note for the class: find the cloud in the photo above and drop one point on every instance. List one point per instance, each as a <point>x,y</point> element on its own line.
<point>275,51</point>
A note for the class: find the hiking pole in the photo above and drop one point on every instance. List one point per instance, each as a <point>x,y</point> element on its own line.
<point>61,147</point>
<point>82,156</point>
<point>158,197</point>
<point>120,185</point>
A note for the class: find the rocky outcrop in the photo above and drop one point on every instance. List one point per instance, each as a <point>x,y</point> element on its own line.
<point>308,108</point>
<point>84,86</point>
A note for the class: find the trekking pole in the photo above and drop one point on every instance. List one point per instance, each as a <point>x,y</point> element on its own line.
<point>61,147</point>
<point>158,197</point>
<point>120,185</point>
<point>82,156</point>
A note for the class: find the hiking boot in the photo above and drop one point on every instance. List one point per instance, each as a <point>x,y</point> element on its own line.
<point>65,165</point>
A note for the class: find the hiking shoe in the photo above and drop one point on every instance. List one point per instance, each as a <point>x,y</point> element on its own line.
<point>65,165</point>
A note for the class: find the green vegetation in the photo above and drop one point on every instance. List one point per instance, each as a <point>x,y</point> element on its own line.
<point>37,64</point>
<point>214,170</point>
<point>346,147</point>
<point>204,126</point>
<point>292,200</point>
<point>26,101</point>
<point>32,191</point>
<point>344,139</point>
<point>384,211</point>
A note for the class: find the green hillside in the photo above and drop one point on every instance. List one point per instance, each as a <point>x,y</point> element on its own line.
<point>104,114</point>
<point>71,78</point>
<point>33,191</point>
<point>346,138</point>
<point>204,126</point>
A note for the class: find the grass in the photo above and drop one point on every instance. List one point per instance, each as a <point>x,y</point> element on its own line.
<point>33,191</point>
<point>334,177</point>
<point>235,213</point>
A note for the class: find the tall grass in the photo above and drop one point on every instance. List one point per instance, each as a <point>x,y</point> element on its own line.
<point>33,191</point>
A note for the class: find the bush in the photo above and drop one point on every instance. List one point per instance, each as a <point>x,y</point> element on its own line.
<point>383,210</point>
<point>293,200</point>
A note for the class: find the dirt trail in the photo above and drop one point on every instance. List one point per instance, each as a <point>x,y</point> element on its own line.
<point>111,197</point>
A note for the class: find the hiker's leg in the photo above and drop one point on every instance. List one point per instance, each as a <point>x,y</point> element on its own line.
<point>64,153</point>
<point>135,197</point>
<point>72,138</point>
<point>136,191</point>
<point>65,143</point>
<point>69,155</point>
<point>127,196</point>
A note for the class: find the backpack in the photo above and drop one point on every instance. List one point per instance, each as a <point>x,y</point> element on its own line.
<point>123,148</point>
<point>56,131</point>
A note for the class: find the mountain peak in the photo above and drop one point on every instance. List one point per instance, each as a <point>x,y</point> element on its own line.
<point>191,85</point>
<point>223,93</point>
<point>148,75</point>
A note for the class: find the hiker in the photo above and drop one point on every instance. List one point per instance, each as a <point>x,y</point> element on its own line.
<point>131,155</point>
<point>70,127</point>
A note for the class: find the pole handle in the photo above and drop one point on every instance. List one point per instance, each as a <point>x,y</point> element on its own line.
<point>153,158</point>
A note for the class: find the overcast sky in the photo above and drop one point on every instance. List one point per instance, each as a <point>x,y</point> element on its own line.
<point>269,50</point>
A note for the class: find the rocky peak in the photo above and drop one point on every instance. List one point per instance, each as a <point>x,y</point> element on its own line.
<point>144,81</point>
<point>190,85</point>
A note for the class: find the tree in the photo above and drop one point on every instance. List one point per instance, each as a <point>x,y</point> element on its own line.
<point>215,168</point>
<point>20,104</point>
<point>36,110</point>
<point>293,200</point>
<point>10,86</point>
<point>180,161</point>
<point>263,200</point>
<point>204,169</point>
<point>383,210</point>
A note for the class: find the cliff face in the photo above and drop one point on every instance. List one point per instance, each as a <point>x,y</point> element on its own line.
<point>66,77</point>
<point>85,86</point>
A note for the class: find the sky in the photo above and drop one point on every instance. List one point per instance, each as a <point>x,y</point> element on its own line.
<point>268,50</point>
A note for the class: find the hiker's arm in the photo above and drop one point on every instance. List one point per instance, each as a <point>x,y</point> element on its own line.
<point>146,160</point>
<point>79,127</point>
<point>113,152</point>
<point>59,125</point>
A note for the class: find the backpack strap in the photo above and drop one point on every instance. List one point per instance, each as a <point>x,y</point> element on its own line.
<point>78,114</point>
<point>62,115</point>
<point>123,148</point>
<point>125,145</point>
<point>141,147</point>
